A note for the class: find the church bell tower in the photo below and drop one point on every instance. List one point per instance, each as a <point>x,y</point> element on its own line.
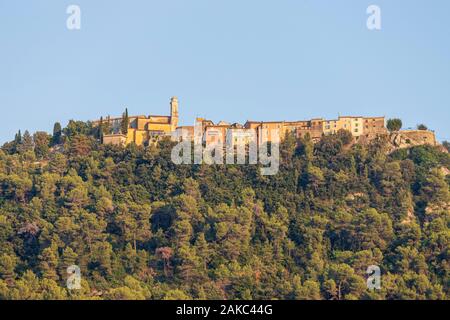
<point>174,113</point>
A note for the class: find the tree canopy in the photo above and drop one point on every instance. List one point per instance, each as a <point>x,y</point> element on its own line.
<point>140,227</point>
<point>394,124</point>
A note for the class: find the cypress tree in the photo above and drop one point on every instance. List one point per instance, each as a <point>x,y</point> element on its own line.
<point>18,137</point>
<point>125,122</point>
<point>100,130</point>
<point>57,132</point>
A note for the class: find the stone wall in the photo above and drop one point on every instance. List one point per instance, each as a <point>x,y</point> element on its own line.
<point>116,139</point>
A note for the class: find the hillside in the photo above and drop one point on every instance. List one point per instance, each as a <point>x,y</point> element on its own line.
<point>140,227</point>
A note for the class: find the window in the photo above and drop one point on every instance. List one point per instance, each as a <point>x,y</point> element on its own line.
<point>156,134</point>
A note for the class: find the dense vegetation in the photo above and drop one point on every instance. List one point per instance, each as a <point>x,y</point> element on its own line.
<point>141,227</point>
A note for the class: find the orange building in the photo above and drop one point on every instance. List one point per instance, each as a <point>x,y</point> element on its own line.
<point>374,126</point>
<point>145,130</point>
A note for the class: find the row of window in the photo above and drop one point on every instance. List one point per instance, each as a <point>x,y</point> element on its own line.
<point>345,126</point>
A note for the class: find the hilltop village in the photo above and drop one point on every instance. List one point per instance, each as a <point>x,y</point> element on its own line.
<point>145,130</point>
<point>303,221</point>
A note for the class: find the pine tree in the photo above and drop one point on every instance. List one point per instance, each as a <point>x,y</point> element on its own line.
<point>41,144</point>
<point>48,263</point>
<point>68,259</point>
<point>27,143</point>
<point>191,267</point>
<point>7,266</point>
<point>203,250</point>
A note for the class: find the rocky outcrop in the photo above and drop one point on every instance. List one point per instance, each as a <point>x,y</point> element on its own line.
<point>445,171</point>
<point>412,138</point>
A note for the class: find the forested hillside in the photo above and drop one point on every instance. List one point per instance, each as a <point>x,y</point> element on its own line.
<point>141,227</point>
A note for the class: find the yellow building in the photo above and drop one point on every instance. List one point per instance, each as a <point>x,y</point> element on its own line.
<point>358,126</point>
<point>142,130</point>
<point>145,130</point>
<point>353,124</point>
<point>241,136</point>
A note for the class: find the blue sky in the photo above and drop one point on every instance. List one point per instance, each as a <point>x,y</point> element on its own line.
<point>230,60</point>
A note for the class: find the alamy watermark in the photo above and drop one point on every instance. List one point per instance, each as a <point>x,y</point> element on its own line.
<point>374,277</point>
<point>74,279</point>
<point>374,19</point>
<point>73,22</point>
<point>255,145</point>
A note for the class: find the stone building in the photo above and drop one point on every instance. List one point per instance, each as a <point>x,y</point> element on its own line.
<point>145,130</point>
<point>358,126</point>
<point>184,133</point>
<point>374,126</point>
<point>117,139</point>
<point>315,128</point>
<point>142,130</point>
<point>215,133</point>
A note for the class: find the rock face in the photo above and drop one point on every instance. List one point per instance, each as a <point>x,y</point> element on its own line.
<point>445,171</point>
<point>403,139</point>
<point>412,138</point>
<point>443,207</point>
